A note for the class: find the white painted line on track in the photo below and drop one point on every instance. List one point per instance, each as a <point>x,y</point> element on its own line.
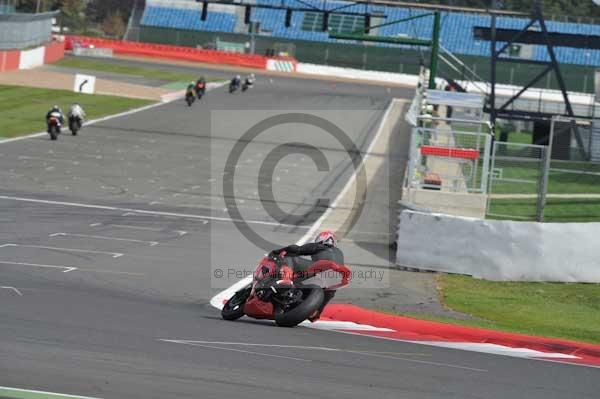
<point>15,290</point>
<point>390,356</point>
<point>124,226</point>
<point>146,212</point>
<point>67,269</point>
<point>236,350</point>
<point>426,362</point>
<point>150,243</point>
<point>113,254</point>
<point>111,272</point>
<point>303,347</point>
<point>217,300</point>
<point>19,393</point>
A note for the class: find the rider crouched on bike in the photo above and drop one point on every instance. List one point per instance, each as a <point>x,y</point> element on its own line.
<point>323,248</point>
<point>191,89</point>
<point>250,79</point>
<point>201,85</point>
<point>77,112</point>
<point>56,112</point>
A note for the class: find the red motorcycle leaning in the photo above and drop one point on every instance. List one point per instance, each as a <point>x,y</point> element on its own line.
<point>289,297</point>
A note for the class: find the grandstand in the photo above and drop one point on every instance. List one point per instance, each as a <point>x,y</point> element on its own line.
<point>456,36</point>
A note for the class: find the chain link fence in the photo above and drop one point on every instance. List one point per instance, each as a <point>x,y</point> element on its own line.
<point>555,180</point>
<point>516,177</point>
<point>20,31</point>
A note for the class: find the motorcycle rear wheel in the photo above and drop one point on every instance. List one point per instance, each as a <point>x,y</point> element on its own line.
<point>53,131</point>
<point>296,315</point>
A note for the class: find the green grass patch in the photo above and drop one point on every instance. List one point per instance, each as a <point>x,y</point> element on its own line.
<point>556,210</point>
<point>520,137</point>
<point>105,66</point>
<point>23,109</point>
<point>559,310</point>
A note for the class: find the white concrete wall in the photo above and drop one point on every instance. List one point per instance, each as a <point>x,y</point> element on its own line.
<point>349,73</point>
<point>500,250</point>
<point>550,97</point>
<point>32,58</point>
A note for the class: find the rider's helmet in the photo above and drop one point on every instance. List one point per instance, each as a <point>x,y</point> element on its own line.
<point>237,77</point>
<point>251,76</point>
<point>326,237</point>
<point>55,108</point>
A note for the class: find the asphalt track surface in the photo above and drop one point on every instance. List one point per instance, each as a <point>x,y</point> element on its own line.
<point>114,236</point>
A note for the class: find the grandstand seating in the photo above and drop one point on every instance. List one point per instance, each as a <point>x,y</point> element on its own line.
<point>456,36</point>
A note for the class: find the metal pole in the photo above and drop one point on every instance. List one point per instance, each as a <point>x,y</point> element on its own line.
<point>252,38</point>
<point>37,7</point>
<point>493,73</point>
<point>435,48</point>
<point>541,204</point>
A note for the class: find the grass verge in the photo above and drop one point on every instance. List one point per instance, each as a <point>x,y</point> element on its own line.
<point>557,210</point>
<point>23,109</point>
<point>558,310</point>
<point>104,66</point>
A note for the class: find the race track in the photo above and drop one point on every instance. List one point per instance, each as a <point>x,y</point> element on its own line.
<point>110,240</point>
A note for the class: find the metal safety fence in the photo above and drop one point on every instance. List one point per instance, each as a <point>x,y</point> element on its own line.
<point>516,178</point>
<point>448,160</point>
<point>20,31</point>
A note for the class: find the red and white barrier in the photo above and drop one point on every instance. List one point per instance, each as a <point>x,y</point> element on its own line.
<point>11,60</point>
<point>282,64</point>
<point>169,52</point>
<point>356,320</point>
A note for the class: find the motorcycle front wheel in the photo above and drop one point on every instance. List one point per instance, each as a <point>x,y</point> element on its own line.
<point>290,317</point>
<point>233,309</point>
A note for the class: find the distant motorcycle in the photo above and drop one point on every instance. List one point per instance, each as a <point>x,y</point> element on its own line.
<point>233,86</point>
<point>247,85</point>
<point>190,97</point>
<point>200,89</point>
<point>54,127</point>
<point>74,124</point>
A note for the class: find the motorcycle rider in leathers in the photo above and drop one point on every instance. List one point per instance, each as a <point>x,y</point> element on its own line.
<point>323,248</point>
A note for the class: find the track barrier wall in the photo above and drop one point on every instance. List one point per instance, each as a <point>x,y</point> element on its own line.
<point>11,60</point>
<point>499,250</point>
<point>32,58</point>
<point>54,51</point>
<point>171,52</point>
